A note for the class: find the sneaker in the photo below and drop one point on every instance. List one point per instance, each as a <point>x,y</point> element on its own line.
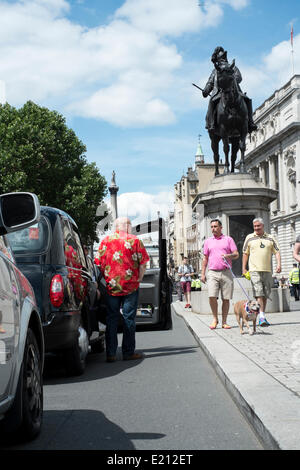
<point>186,305</point>
<point>263,322</point>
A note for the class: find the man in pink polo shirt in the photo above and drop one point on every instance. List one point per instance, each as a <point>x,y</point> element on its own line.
<point>216,250</point>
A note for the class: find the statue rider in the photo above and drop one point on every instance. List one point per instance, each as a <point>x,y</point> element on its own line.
<point>218,58</point>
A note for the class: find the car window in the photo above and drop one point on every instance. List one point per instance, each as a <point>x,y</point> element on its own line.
<point>71,255</point>
<point>79,247</point>
<point>31,240</point>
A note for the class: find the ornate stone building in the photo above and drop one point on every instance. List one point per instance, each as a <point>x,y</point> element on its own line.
<point>273,154</point>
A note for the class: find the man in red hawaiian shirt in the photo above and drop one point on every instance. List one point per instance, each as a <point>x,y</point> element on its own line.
<point>122,258</point>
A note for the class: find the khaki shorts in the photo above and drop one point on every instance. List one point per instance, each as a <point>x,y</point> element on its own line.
<point>220,281</point>
<point>261,283</point>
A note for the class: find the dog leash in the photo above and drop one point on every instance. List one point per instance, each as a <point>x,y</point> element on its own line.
<point>237,279</point>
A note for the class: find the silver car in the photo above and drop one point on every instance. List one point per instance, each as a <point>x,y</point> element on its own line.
<point>21,334</point>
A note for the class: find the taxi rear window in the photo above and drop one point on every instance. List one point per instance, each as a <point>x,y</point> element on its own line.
<point>31,240</point>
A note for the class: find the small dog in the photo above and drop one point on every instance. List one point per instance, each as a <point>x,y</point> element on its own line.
<point>246,312</point>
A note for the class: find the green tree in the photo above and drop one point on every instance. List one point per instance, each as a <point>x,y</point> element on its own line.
<point>40,154</point>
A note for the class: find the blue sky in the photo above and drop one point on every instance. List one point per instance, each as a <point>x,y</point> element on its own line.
<point>121,72</point>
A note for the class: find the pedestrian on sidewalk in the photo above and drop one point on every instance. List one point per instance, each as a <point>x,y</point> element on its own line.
<point>294,281</point>
<point>219,251</point>
<point>257,253</point>
<point>122,258</point>
<point>186,271</point>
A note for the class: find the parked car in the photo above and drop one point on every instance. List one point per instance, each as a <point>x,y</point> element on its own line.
<point>21,334</point>
<point>155,295</point>
<point>50,253</point>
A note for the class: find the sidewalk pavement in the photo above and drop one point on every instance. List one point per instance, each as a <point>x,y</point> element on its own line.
<point>261,372</point>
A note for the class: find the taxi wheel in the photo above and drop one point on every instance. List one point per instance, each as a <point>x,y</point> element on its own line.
<point>23,421</point>
<point>75,357</point>
<point>32,389</point>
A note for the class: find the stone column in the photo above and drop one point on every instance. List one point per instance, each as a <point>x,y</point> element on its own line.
<point>281,176</point>
<point>272,181</point>
<point>262,173</point>
<point>113,189</point>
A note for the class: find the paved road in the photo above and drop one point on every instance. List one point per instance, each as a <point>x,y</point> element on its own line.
<point>170,400</point>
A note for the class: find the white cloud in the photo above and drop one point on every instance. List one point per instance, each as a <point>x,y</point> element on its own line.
<point>125,106</point>
<point>279,60</point>
<point>142,207</point>
<point>274,70</point>
<point>116,72</point>
<point>167,17</point>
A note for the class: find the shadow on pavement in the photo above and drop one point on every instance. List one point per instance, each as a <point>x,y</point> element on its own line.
<point>97,367</point>
<point>82,430</point>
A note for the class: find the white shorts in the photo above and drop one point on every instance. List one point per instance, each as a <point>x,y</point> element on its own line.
<point>220,281</point>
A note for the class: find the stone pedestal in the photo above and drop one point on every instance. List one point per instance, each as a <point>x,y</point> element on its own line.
<point>235,195</point>
<point>279,302</point>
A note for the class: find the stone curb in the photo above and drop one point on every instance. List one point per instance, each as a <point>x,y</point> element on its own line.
<point>272,410</point>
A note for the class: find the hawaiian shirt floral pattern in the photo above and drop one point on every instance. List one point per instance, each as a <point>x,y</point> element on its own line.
<point>120,256</point>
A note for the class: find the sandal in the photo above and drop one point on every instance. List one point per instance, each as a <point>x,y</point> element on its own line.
<point>213,326</point>
<point>226,327</point>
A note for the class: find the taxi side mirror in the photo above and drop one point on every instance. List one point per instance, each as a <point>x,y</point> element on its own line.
<point>18,211</point>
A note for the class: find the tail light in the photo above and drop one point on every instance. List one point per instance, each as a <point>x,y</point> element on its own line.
<point>57,290</point>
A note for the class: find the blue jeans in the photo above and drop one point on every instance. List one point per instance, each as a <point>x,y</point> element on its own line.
<point>129,305</point>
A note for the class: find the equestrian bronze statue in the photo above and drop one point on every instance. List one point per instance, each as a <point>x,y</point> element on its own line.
<point>229,115</point>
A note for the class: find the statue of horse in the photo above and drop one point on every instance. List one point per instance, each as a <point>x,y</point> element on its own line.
<point>231,119</point>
